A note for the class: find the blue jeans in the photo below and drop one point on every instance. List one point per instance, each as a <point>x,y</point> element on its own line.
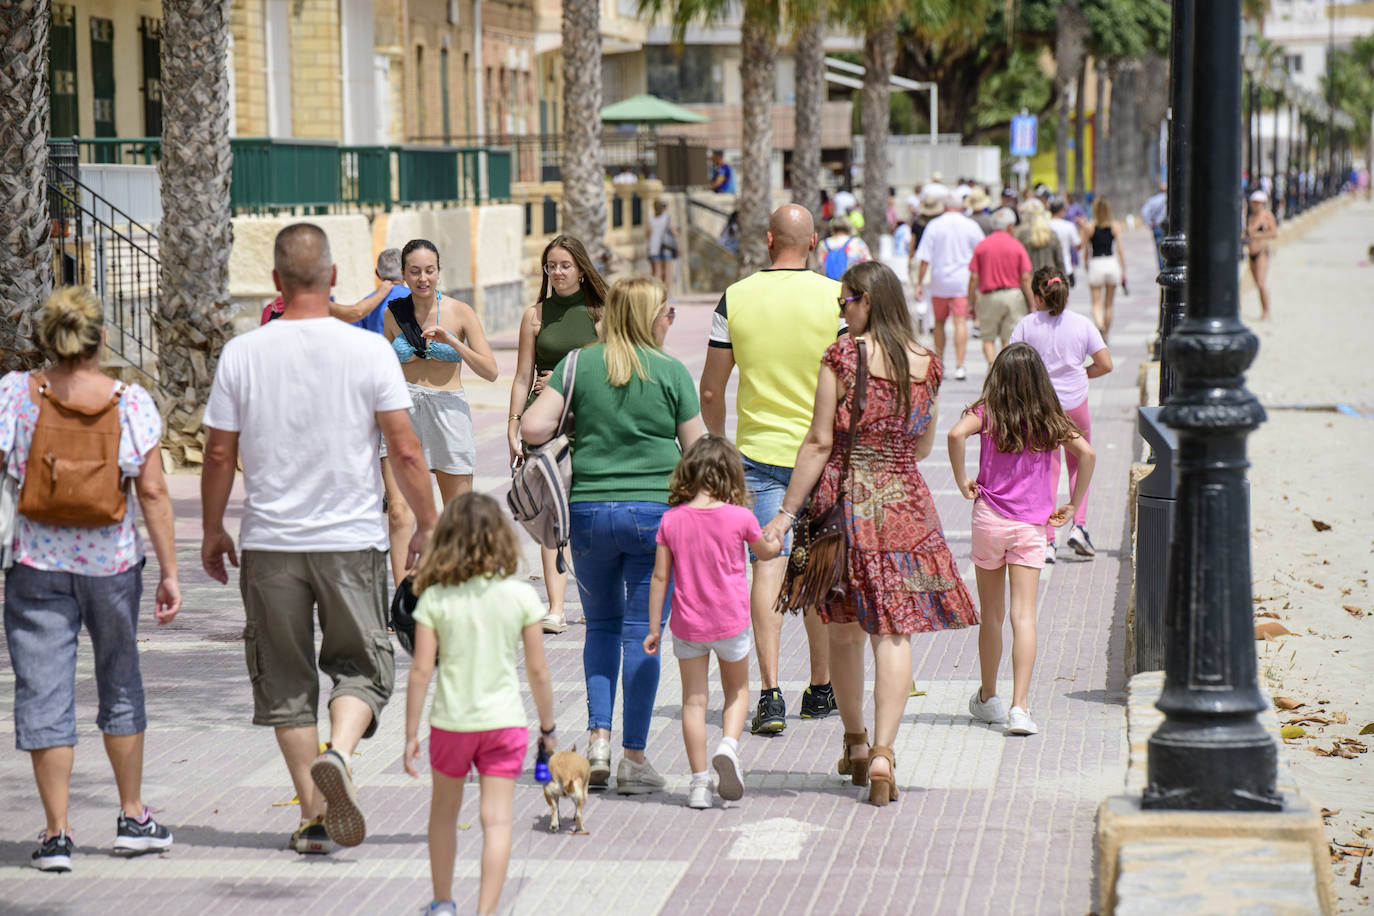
<point>44,612</point>
<point>613,546</point>
<point>767,483</point>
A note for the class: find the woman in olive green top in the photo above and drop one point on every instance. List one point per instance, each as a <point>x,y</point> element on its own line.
<point>563,319</point>
<point>636,410</point>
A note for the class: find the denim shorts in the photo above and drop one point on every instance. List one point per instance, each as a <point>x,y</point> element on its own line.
<point>44,613</point>
<point>767,483</point>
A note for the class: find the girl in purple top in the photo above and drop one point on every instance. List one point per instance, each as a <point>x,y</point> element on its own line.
<point>701,549</point>
<point>1020,425</point>
<point>1064,340</point>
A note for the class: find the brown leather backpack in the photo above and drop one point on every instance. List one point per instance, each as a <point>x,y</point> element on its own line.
<point>73,477</point>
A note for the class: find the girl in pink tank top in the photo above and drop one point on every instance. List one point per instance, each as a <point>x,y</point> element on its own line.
<point>1020,425</point>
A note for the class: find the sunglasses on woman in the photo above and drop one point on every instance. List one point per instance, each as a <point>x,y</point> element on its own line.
<point>845,300</point>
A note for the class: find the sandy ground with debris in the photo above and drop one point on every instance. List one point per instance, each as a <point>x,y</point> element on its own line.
<point>1313,466</point>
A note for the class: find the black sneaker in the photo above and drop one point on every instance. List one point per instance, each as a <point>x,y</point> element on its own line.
<point>134,837</point>
<point>771,717</point>
<point>54,852</point>
<point>312,839</point>
<point>818,701</point>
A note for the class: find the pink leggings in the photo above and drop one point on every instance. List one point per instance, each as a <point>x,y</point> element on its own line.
<point>1079,415</point>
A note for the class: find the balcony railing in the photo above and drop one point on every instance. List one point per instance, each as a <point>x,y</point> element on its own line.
<point>274,175</point>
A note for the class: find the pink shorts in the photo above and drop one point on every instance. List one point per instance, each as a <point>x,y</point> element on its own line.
<point>497,752</point>
<point>998,541</point>
<point>943,307</point>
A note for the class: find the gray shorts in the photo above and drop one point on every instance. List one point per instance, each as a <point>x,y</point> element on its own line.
<point>442,421</point>
<point>280,594</point>
<point>44,613</point>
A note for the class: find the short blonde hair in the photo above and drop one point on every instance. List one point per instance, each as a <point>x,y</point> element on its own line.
<point>70,324</point>
<point>627,326</point>
<point>473,538</point>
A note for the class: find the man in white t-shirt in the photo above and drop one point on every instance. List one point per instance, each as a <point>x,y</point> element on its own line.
<point>304,401</point>
<point>1066,232</point>
<point>945,250</point>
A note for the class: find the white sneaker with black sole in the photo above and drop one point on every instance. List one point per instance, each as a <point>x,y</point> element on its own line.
<point>989,710</point>
<point>959,373</point>
<point>1051,553</point>
<point>134,836</point>
<point>1080,542</point>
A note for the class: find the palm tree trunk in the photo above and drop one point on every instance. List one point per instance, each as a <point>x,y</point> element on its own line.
<point>25,258</point>
<point>758,65</point>
<point>880,53</point>
<point>196,233</point>
<point>806,149</point>
<point>584,189</point>
<point>1070,35</point>
<point>1101,167</point>
<point>1079,127</point>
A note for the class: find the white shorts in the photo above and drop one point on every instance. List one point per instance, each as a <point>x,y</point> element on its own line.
<point>730,649</point>
<point>1104,271</point>
<point>442,421</point>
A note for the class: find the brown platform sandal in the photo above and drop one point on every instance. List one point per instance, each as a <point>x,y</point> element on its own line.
<point>856,770</point>
<point>882,789</point>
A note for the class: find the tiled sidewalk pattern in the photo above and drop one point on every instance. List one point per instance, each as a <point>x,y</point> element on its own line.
<point>985,824</point>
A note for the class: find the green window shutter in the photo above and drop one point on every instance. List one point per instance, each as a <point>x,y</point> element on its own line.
<point>102,83</point>
<point>62,71</point>
<point>151,30</point>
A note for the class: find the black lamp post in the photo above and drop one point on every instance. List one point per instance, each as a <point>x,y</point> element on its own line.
<point>1173,248</point>
<point>1211,752</point>
<point>1251,58</point>
<point>1278,79</point>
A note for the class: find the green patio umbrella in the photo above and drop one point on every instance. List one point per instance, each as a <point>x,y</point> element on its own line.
<point>649,109</point>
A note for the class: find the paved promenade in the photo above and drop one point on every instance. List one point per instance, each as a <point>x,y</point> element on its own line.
<point>985,823</point>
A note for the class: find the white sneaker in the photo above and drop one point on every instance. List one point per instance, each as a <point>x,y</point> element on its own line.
<point>1051,553</point>
<point>637,778</point>
<point>1080,542</point>
<point>554,623</point>
<point>1019,722</point>
<point>729,775</point>
<point>699,793</point>
<point>989,710</point>
<point>599,756</point>
<point>959,373</point>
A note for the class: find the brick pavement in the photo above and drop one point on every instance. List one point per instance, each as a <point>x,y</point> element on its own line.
<point>985,824</point>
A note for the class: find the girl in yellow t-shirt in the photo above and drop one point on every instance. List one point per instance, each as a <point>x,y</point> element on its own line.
<point>474,614</point>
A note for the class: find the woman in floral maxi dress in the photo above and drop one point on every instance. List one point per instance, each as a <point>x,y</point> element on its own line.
<point>901,575</point>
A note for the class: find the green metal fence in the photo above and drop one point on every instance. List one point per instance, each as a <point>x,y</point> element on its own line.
<point>272,174</point>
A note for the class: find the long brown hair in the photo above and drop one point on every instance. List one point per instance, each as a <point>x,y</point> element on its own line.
<point>473,538</point>
<point>889,322</point>
<point>1048,283</point>
<point>1020,409</point>
<point>711,464</point>
<point>593,287</point>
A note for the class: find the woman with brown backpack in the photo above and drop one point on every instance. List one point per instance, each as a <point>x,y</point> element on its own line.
<point>71,441</point>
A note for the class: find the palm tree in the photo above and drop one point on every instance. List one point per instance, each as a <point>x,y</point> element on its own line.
<point>880,53</point>
<point>25,260</point>
<point>196,232</point>
<point>758,78</point>
<point>1071,35</point>
<point>584,190</point>
<point>810,97</point>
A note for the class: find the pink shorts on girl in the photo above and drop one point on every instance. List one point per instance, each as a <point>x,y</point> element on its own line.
<point>497,752</point>
<point>998,540</point>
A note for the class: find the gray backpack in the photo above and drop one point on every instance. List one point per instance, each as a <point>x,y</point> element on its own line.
<point>538,497</point>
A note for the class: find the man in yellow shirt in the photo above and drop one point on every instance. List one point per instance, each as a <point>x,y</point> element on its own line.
<point>775,325</point>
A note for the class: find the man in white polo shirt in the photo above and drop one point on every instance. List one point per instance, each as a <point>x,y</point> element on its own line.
<point>945,250</point>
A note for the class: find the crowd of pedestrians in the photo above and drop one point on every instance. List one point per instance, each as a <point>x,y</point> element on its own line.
<point>666,514</point>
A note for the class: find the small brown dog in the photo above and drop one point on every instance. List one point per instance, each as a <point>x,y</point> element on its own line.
<point>571,772</point>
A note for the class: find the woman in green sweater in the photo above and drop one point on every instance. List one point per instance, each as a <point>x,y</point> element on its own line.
<point>564,318</point>
<point>636,410</point>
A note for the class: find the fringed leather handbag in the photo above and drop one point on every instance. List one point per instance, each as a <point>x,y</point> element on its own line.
<point>818,567</point>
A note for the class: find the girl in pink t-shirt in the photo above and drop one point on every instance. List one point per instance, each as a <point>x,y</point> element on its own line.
<point>1020,424</point>
<point>701,544</point>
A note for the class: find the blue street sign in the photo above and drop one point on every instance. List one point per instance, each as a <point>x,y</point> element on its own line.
<point>1023,128</point>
